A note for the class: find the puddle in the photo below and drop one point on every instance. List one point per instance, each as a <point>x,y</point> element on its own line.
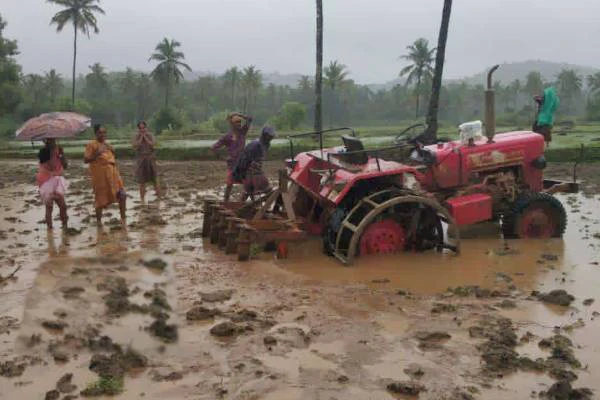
<point>291,364</point>
<point>478,264</point>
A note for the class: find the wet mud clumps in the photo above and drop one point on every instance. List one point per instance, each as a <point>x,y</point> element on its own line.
<point>111,369</point>
<point>118,304</point>
<point>200,313</point>
<point>559,297</point>
<point>474,290</point>
<point>157,264</point>
<point>11,369</point>
<point>563,390</point>
<point>168,333</point>
<point>117,299</point>
<point>498,352</point>
<point>406,388</point>
<point>158,303</point>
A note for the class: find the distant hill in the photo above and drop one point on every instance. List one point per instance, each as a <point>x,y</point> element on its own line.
<point>268,77</point>
<point>508,72</point>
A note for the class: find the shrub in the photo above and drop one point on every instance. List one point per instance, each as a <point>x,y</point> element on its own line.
<point>167,118</point>
<point>219,121</point>
<point>294,113</point>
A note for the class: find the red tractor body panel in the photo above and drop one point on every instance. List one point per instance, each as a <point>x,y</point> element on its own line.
<point>327,177</point>
<point>457,164</point>
<point>470,209</point>
<point>312,170</point>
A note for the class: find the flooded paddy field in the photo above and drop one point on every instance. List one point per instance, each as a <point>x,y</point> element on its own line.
<point>154,312</point>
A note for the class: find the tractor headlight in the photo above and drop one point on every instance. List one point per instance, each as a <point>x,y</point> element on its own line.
<point>539,163</point>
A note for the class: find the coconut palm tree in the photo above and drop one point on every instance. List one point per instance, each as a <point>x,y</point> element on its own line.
<point>593,82</point>
<point>569,85</point>
<point>169,63</point>
<point>335,75</point>
<point>318,123</point>
<point>143,95</point>
<point>54,85</point>
<point>534,84</point>
<point>231,78</point>
<point>35,88</point>
<point>81,14</point>
<point>436,85</point>
<point>251,82</point>
<point>421,57</point>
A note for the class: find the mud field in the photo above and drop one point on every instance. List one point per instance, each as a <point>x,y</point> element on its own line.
<point>154,313</point>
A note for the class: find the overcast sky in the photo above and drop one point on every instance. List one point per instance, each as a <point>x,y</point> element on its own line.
<point>278,35</point>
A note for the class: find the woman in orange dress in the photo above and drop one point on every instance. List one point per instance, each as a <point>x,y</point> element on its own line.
<point>51,183</point>
<point>106,180</point>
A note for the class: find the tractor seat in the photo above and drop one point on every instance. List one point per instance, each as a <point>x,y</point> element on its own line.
<point>354,146</point>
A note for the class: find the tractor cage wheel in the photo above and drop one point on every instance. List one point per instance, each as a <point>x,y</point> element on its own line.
<point>390,199</point>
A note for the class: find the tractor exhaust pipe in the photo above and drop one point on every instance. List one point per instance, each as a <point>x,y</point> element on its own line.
<point>490,108</point>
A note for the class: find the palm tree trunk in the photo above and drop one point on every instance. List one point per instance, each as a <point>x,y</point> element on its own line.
<point>74,64</point>
<point>434,101</point>
<point>418,97</point>
<point>233,94</point>
<point>167,92</point>
<point>318,123</point>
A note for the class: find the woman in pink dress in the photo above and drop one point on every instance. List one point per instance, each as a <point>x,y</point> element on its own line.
<point>51,183</point>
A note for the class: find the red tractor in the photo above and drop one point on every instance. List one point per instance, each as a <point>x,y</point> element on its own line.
<point>405,197</point>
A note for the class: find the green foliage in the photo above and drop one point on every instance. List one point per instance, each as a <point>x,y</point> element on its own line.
<point>81,105</point>
<point>593,108</point>
<point>166,119</point>
<point>219,121</point>
<point>10,91</point>
<point>105,386</point>
<point>8,127</point>
<point>292,114</point>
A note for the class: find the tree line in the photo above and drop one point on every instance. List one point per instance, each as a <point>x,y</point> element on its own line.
<point>169,102</point>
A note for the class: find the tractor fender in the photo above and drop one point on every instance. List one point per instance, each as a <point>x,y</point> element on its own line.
<point>403,199</point>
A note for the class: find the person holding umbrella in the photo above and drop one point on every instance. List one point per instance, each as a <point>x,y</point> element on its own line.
<point>48,127</point>
<point>106,180</point>
<point>51,183</point>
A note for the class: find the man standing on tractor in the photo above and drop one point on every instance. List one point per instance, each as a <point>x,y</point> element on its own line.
<point>233,141</point>
<point>249,167</point>
<point>547,105</point>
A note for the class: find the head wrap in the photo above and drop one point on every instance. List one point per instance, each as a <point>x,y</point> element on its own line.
<point>267,132</point>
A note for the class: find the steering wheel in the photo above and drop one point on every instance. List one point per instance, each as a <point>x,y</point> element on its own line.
<point>401,137</point>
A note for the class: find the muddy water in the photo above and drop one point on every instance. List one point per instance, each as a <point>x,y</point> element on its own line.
<point>481,261</point>
<point>571,263</point>
<point>357,333</point>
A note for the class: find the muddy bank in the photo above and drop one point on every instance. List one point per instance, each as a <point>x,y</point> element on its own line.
<point>154,312</point>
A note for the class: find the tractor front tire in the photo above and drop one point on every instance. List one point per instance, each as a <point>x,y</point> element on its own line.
<point>535,215</point>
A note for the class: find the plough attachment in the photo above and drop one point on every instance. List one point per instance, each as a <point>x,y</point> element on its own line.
<point>269,222</point>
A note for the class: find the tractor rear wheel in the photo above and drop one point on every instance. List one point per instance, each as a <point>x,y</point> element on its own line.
<point>535,216</point>
<point>385,236</point>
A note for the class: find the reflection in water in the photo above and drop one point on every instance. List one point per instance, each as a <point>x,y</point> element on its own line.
<point>150,238</point>
<point>63,249</point>
<point>111,242</point>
